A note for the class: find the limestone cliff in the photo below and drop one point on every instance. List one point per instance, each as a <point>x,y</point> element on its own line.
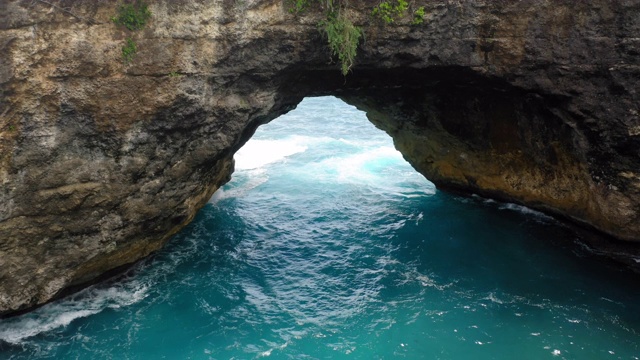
<point>101,161</point>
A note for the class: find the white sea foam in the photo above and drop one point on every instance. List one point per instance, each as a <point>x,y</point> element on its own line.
<point>509,206</point>
<point>368,164</point>
<point>360,143</point>
<point>218,195</point>
<point>493,298</point>
<point>258,153</point>
<point>15,331</point>
<point>524,210</point>
<point>355,167</point>
<point>267,353</point>
<point>255,178</point>
<point>424,280</point>
<point>365,167</point>
<point>61,313</point>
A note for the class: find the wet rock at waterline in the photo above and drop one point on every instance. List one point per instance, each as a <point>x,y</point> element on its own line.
<point>102,160</point>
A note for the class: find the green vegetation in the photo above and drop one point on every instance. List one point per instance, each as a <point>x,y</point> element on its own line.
<point>129,50</point>
<point>343,38</point>
<point>133,16</point>
<point>174,74</point>
<point>418,16</point>
<point>298,5</point>
<point>342,35</point>
<point>390,11</point>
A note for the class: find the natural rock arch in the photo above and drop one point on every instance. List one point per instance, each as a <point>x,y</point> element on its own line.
<point>101,162</point>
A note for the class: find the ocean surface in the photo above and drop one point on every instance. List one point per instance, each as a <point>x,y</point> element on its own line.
<point>326,244</point>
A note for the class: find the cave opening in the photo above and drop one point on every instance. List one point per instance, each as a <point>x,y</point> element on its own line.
<point>327,243</point>
<point>474,135</point>
<point>327,140</point>
<point>329,151</point>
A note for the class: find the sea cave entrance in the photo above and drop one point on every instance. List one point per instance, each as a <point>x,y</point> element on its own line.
<point>327,141</point>
<point>326,243</point>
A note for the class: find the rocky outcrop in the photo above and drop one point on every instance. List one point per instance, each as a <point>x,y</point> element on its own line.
<point>101,161</point>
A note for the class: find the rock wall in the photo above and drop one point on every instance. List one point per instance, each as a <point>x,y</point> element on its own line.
<point>101,161</point>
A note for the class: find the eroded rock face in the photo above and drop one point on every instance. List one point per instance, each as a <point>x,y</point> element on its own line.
<point>102,161</point>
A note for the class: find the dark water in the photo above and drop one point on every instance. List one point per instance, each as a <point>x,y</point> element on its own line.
<point>327,245</point>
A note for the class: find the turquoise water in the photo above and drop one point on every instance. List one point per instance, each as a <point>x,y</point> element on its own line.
<point>327,245</point>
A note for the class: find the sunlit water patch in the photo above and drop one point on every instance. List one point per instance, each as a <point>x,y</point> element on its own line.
<point>327,244</point>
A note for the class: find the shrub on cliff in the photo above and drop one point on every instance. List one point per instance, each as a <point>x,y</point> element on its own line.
<point>343,38</point>
<point>133,16</point>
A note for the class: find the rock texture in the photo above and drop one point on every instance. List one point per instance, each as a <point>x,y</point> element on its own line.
<point>534,102</point>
